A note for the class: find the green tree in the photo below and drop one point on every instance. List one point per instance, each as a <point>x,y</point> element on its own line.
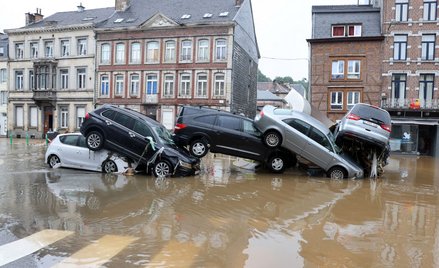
<point>262,77</point>
<point>284,80</point>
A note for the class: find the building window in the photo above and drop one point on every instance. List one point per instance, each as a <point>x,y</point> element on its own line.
<point>105,85</point>
<point>19,80</point>
<point>151,84</point>
<point>168,86</point>
<point>65,48</point>
<point>31,80</point>
<point>80,116</point>
<point>201,91</point>
<point>33,117</point>
<point>19,51</point>
<point>203,50</point>
<point>428,44</point>
<point>219,85</point>
<point>400,47</point>
<point>82,46</point>
<point>401,10</point>
<point>118,90</point>
<point>185,86</point>
<point>338,31</point>
<point>105,53</point>
<point>3,75</point>
<point>81,78</point>
<point>64,117</point>
<point>336,100</point>
<point>337,70</point>
<point>354,69</point>
<point>398,90</point>
<point>152,52</point>
<point>19,120</point>
<point>354,97</point>
<point>3,97</point>
<point>346,30</point>
<point>120,53</point>
<point>48,49</point>
<point>430,7</point>
<point>426,88</point>
<point>354,30</point>
<point>134,84</point>
<point>34,50</point>
<point>186,50</point>
<point>220,49</point>
<point>135,53</point>
<point>64,79</point>
<point>170,51</point>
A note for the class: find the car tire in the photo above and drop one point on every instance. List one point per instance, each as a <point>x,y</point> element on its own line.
<point>277,163</point>
<point>94,140</point>
<point>109,166</point>
<point>198,148</point>
<point>53,161</point>
<point>162,168</point>
<point>272,139</point>
<point>337,173</point>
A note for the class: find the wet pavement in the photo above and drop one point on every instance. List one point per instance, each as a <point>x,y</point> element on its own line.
<point>224,217</point>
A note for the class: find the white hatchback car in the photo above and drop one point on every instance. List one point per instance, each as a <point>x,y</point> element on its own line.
<point>70,150</point>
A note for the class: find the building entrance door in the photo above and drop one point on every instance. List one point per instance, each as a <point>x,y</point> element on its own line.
<point>48,119</point>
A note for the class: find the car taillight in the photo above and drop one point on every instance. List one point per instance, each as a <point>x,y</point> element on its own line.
<point>261,114</point>
<point>179,126</point>
<point>386,127</point>
<point>87,116</point>
<point>353,117</point>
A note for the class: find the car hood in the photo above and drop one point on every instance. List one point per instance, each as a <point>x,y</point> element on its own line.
<point>180,153</point>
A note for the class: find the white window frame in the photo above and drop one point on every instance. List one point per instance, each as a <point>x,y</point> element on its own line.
<point>82,78</point>
<point>105,53</point>
<point>48,49</point>
<point>64,78</point>
<point>221,49</point>
<point>338,102</point>
<point>120,53</point>
<point>170,49</point>
<point>401,10</point>
<point>168,85</point>
<point>80,116</point>
<point>34,50</point>
<point>186,50</point>
<point>3,75</point>
<point>33,117</point>
<point>65,48</point>
<point>430,10</point>
<point>337,70</point>
<point>152,51</point>
<point>19,116</point>
<point>63,116</point>
<point>134,84</point>
<point>353,97</point>
<point>118,84</point>
<point>201,91</point>
<point>151,80</point>
<point>82,46</point>
<point>19,80</point>
<point>203,50</point>
<point>105,85</point>
<point>219,85</point>
<point>354,69</point>
<point>184,89</point>
<point>135,52</point>
<point>19,50</point>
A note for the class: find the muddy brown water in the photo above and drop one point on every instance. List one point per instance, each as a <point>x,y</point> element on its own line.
<point>224,217</point>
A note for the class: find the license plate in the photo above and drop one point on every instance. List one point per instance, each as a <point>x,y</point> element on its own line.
<point>370,124</point>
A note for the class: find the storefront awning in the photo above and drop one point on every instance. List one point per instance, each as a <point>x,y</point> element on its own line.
<point>425,122</point>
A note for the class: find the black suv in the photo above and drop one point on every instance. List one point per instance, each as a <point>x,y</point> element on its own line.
<point>206,129</point>
<point>138,137</point>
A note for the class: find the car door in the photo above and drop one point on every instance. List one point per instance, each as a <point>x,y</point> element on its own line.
<point>251,144</point>
<point>227,135</point>
<point>72,154</point>
<point>140,142</point>
<point>120,134</point>
<point>296,134</point>
<point>318,149</point>
<point>90,160</point>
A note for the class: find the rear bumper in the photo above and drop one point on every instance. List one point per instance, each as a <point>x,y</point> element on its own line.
<point>347,135</point>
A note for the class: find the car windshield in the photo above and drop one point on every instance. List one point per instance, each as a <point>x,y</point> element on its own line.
<point>332,141</point>
<point>164,135</point>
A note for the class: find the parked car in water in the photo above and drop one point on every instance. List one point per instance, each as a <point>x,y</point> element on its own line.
<point>206,129</point>
<point>306,136</point>
<point>138,137</point>
<point>69,150</point>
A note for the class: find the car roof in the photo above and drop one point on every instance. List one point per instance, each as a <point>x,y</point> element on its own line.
<point>132,112</point>
<point>210,110</point>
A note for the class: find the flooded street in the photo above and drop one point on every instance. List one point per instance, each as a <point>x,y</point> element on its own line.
<point>224,217</point>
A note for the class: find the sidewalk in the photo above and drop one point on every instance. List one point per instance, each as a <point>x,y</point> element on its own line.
<point>4,140</point>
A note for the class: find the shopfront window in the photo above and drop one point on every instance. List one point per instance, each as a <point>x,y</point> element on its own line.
<point>404,138</point>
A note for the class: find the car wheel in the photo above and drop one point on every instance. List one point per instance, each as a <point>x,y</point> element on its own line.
<point>95,140</point>
<point>337,173</point>
<point>54,161</point>
<point>198,148</point>
<point>109,166</point>
<point>162,168</point>
<point>277,163</point>
<point>272,139</point>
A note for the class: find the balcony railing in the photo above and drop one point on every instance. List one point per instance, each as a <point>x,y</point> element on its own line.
<point>44,95</point>
<point>417,104</point>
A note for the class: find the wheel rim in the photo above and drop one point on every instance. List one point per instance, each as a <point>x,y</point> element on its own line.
<point>198,148</point>
<point>277,164</point>
<point>162,169</point>
<point>54,160</point>
<point>110,167</point>
<point>337,174</point>
<point>272,139</point>
<point>94,141</point>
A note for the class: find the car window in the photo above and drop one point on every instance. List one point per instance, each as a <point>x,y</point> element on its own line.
<point>141,128</point>
<point>69,140</point>
<point>81,142</point>
<point>249,128</point>
<point>207,119</point>
<point>320,138</point>
<point>124,120</point>
<point>229,122</point>
<point>368,113</point>
<point>164,135</point>
<point>299,125</point>
<point>109,114</point>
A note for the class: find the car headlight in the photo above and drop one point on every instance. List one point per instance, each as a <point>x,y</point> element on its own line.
<point>185,165</point>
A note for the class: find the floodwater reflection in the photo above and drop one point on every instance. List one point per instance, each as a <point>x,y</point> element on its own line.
<point>227,216</point>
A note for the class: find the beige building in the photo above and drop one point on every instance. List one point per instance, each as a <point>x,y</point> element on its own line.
<point>3,84</point>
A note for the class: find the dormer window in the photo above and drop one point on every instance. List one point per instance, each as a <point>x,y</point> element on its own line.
<point>207,15</point>
<point>346,30</point>
<point>224,14</point>
<point>118,20</point>
<point>186,16</point>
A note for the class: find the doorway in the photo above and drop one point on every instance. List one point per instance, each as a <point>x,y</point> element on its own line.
<point>48,119</point>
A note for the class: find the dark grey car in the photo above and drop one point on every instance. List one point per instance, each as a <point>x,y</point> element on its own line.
<point>307,137</point>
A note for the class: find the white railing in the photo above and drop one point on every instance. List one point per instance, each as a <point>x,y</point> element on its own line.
<point>410,103</point>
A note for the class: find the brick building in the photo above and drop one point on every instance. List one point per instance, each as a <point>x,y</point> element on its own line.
<point>410,71</point>
<point>154,56</point>
<point>345,65</point>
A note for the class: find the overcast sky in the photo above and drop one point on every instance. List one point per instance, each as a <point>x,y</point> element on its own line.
<point>282,27</point>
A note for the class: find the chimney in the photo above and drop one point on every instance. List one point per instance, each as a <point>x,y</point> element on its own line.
<point>122,5</point>
<point>38,16</point>
<point>30,18</point>
<point>80,7</point>
<point>238,3</point>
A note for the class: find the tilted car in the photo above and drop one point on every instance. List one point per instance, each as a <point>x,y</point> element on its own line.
<point>139,138</point>
<point>69,150</point>
<point>205,129</point>
<point>306,136</point>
